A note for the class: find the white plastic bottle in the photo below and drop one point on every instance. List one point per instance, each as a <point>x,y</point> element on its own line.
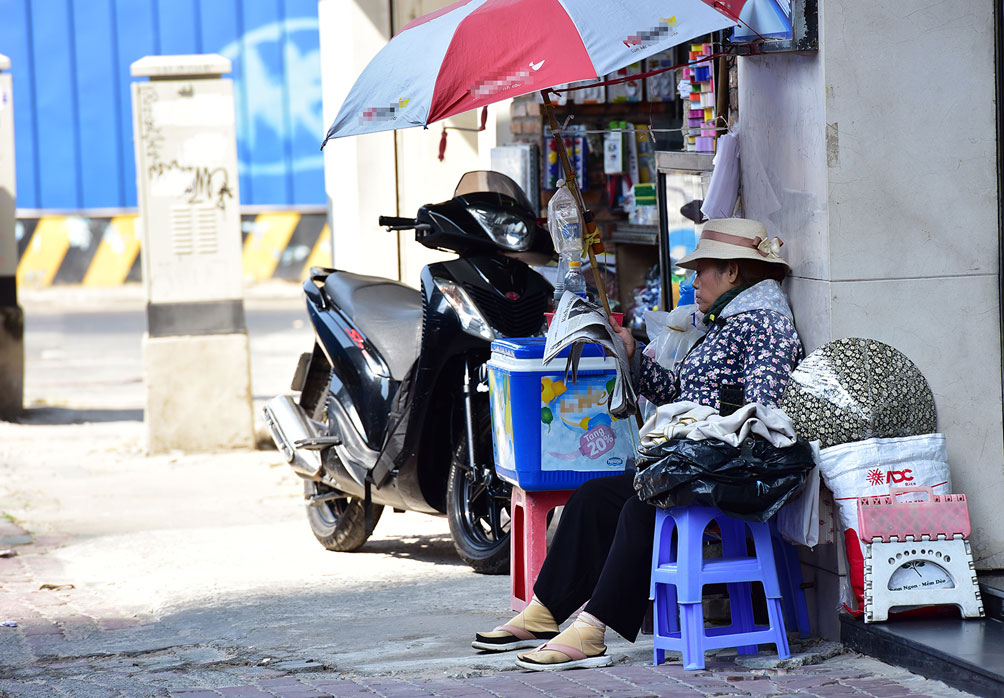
<point>574,280</point>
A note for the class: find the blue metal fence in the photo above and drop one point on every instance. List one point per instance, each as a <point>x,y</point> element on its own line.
<point>73,125</point>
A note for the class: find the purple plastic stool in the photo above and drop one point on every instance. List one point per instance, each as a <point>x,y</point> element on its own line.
<point>679,573</point>
<point>789,574</point>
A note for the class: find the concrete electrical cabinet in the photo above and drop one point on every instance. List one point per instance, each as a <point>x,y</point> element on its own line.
<point>11,315</point>
<point>186,177</point>
<point>196,354</point>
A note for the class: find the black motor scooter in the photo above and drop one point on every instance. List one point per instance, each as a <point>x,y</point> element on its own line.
<point>393,406</point>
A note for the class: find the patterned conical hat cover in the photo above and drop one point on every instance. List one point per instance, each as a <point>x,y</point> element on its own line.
<point>855,389</point>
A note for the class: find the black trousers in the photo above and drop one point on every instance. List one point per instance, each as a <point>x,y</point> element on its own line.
<point>601,553</point>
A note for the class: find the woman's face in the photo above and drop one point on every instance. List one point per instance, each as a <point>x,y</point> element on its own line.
<point>709,282</point>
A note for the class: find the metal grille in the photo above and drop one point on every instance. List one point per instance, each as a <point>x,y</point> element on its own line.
<point>193,230</point>
<point>519,318</point>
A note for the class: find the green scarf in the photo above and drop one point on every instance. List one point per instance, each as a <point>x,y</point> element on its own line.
<point>723,300</point>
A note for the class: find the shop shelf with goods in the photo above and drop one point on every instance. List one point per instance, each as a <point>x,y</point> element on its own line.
<point>612,133</point>
<point>590,118</point>
<point>697,88</point>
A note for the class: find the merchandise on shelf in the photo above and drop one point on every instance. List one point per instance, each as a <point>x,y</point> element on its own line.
<point>591,95</point>
<point>661,87</point>
<point>576,147</point>
<point>558,99</point>
<point>643,209</point>
<point>644,298</point>
<point>699,134</point>
<point>630,152</point>
<point>613,149</point>
<point>646,155</point>
<point>630,91</point>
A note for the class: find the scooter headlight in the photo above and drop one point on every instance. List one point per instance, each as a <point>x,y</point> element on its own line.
<point>471,319</point>
<point>507,230</point>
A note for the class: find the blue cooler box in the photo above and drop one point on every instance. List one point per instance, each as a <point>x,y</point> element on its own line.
<point>549,434</point>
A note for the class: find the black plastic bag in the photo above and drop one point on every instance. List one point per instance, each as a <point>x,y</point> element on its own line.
<point>750,482</point>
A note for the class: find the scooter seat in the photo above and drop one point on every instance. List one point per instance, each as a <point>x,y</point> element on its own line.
<point>388,312</point>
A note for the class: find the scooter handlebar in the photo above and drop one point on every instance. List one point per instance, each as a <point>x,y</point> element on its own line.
<point>397,222</point>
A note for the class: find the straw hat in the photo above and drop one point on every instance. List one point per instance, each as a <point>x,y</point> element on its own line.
<point>734,238</point>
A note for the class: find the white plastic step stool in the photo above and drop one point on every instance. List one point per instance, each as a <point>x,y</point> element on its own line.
<point>916,553</point>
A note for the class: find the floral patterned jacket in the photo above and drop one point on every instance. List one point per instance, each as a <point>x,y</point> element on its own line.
<point>753,343</point>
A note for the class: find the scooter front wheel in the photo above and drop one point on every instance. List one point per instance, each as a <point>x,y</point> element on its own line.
<point>477,507</point>
<point>338,522</point>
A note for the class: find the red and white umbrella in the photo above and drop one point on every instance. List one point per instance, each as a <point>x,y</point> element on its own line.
<point>476,52</point>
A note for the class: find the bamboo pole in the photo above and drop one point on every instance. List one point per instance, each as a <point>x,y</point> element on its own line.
<point>573,186</point>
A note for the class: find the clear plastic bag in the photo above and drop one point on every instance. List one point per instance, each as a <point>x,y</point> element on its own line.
<point>671,335</point>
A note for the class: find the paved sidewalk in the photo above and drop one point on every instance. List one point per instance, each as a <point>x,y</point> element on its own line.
<point>34,663</point>
<point>51,618</point>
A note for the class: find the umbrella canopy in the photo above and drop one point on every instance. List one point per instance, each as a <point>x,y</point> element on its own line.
<point>476,52</point>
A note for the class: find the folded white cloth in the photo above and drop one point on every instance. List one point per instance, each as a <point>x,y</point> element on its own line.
<point>689,420</point>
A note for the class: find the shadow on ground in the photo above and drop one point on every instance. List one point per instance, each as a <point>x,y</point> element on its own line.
<point>436,549</point>
<point>68,415</point>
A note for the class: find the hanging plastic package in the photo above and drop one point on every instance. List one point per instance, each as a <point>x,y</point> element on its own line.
<point>672,334</point>
<point>564,225</point>
<point>723,189</point>
<point>750,482</point>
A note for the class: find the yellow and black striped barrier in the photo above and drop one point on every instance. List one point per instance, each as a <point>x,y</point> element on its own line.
<point>105,251</point>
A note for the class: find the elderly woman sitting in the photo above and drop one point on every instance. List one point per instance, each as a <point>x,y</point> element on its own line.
<point>601,551</point>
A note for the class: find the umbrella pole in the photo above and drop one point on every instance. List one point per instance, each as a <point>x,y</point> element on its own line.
<point>573,186</point>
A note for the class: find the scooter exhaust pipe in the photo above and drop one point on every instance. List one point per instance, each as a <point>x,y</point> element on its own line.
<point>289,425</point>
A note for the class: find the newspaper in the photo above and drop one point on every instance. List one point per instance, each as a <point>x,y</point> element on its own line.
<point>578,322</point>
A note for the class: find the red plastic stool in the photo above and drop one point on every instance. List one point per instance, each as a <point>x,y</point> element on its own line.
<point>529,539</point>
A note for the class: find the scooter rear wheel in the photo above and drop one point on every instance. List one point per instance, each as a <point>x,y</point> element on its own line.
<point>338,524</point>
<point>477,506</point>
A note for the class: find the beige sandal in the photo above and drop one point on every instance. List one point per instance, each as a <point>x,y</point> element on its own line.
<point>580,646</point>
<point>531,626</point>
<point>574,658</point>
<point>514,639</point>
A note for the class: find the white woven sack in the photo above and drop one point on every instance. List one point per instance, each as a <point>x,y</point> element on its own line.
<point>870,468</point>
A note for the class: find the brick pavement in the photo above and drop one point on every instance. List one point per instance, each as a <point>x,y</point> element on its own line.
<point>846,675</point>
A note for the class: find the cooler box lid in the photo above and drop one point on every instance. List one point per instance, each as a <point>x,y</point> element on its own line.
<point>533,348</point>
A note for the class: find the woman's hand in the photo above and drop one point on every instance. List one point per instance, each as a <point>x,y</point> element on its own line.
<point>625,334</point>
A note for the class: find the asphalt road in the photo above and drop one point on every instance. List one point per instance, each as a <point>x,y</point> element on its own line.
<point>83,347</point>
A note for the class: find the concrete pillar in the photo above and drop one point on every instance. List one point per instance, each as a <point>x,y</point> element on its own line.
<point>359,172</point>
<point>195,352</point>
<point>11,315</point>
<point>887,202</point>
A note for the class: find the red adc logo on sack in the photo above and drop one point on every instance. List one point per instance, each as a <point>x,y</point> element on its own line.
<point>890,477</point>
